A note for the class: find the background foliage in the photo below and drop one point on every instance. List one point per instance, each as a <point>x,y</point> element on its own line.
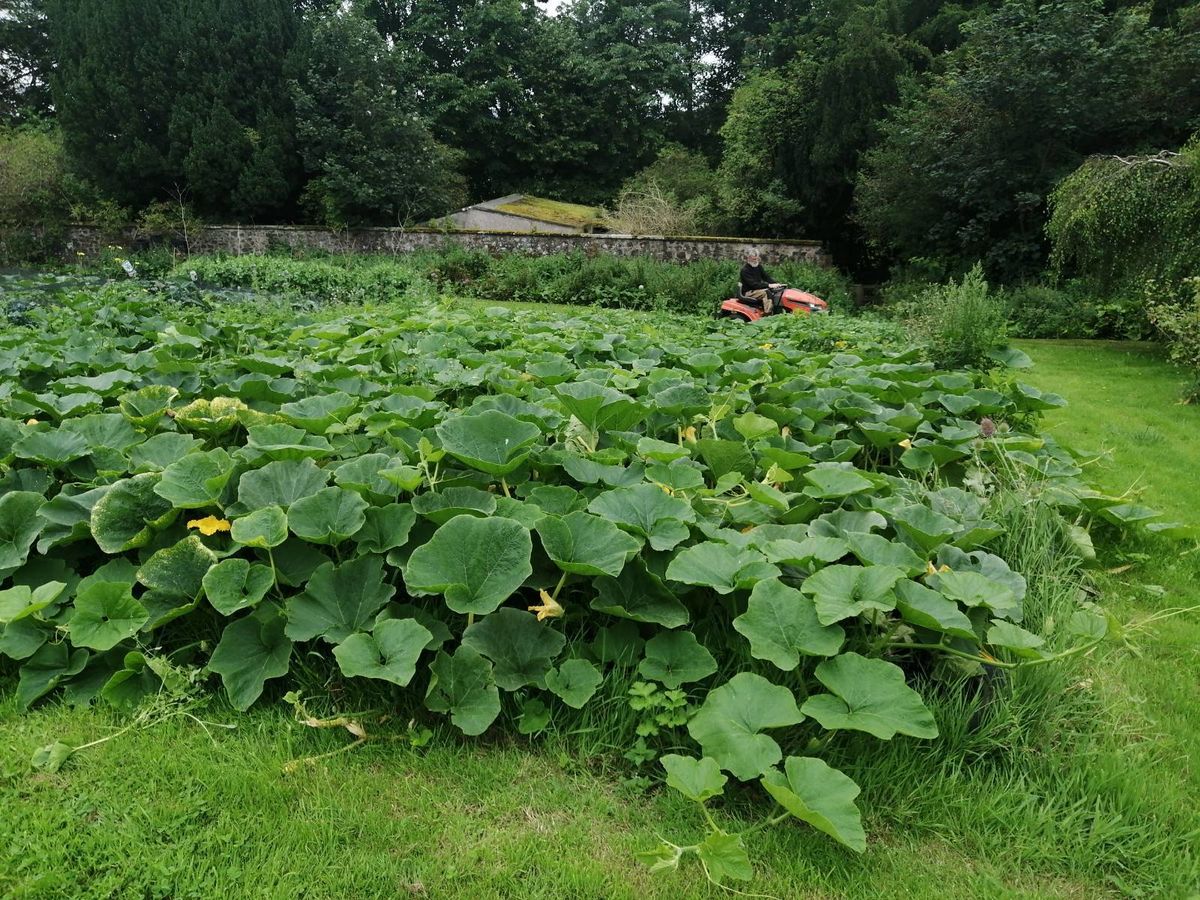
<point>888,128</point>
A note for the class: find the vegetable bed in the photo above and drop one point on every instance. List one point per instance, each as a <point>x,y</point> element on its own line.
<point>478,511</point>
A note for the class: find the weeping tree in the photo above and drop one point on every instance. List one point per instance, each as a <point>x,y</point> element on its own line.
<point>1118,220</point>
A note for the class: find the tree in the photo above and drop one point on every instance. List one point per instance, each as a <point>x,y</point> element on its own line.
<point>370,159</point>
<point>753,192</point>
<point>153,96</point>
<point>1119,220</point>
<point>25,61</point>
<point>966,161</point>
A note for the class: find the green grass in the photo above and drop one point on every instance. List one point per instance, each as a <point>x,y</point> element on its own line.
<point>1125,412</point>
<point>1085,783</point>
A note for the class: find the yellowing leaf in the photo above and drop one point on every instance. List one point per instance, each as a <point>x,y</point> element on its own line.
<point>209,525</point>
<point>548,609</point>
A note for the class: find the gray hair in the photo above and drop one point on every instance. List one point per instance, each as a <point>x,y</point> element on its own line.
<point>752,251</point>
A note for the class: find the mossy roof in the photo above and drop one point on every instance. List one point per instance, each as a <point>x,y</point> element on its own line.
<point>572,214</point>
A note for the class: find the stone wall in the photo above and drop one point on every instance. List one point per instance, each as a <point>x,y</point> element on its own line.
<point>248,239</point>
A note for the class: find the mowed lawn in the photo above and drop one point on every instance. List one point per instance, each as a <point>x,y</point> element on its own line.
<point>1110,807</point>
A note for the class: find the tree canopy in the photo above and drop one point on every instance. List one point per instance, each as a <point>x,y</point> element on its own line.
<point>888,128</point>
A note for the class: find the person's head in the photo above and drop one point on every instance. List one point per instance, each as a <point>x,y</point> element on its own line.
<point>752,256</point>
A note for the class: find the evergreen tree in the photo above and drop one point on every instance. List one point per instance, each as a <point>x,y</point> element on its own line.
<point>155,96</point>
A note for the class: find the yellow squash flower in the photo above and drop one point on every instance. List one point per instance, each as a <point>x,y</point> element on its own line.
<point>548,609</point>
<point>906,444</point>
<point>209,525</point>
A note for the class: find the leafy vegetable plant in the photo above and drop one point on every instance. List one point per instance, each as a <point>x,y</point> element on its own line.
<point>481,511</point>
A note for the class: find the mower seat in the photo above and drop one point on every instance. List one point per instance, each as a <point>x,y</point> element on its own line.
<point>749,301</point>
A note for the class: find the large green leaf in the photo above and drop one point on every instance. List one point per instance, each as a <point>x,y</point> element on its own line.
<point>159,451</point>
<point>840,592</point>
<point>251,651</point>
<point>280,483</point>
<point>280,441</point>
<point>927,608</point>
<point>781,624</point>
<point>52,449</point>
<point>386,528</point>
<point>462,685</point>
<point>476,564</point>
<point>648,512</point>
<point>126,516</point>
<point>725,457</point>
<point>696,779</point>
<point>21,601</point>
<point>339,600</point>
<point>19,527</point>
<point>389,653</point>
<point>729,725</point>
<point>1015,639</point>
<point>197,480</point>
<point>442,506</point>
<point>584,544</point>
<point>329,516</point>
<point>639,595</point>
<point>598,407</point>
<point>235,584</point>
<point>820,795</point>
<point>178,570</point>
<point>263,528</point>
<point>675,658</point>
<point>145,407</point>
<point>105,614</point>
<point>490,441</point>
<point>47,669</point>
<point>834,482</point>
<point>724,856</point>
<point>720,567</point>
<point>875,550</point>
<point>104,431</point>
<point>318,414</point>
<point>520,647</point>
<point>67,518</point>
<point>927,529</point>
<point>869,695</point>
<point>574,682</point>
<point>974,589</point>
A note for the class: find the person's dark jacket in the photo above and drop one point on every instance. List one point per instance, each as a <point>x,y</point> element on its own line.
<point>754,278</point>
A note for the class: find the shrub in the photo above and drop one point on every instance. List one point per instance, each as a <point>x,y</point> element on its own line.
<point>1179,324</point>
<point>381,280</point>
<point>651,210</point>
<point>32,203</point>
<point>962,321</point>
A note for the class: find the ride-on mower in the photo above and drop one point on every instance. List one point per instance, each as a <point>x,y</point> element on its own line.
<point>788,300</point>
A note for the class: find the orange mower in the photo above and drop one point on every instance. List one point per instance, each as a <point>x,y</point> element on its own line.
<point>792,301</point>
